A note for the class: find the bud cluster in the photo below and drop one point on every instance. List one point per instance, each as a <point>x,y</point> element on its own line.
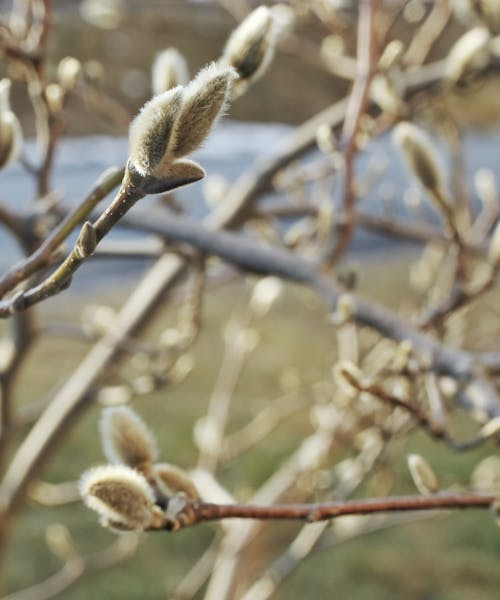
<point>174,124</point>
<point>134,493</point>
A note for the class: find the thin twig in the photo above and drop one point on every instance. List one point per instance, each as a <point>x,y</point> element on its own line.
<point>367,61</point>
<point>200,512</point>
<point>43,255</point>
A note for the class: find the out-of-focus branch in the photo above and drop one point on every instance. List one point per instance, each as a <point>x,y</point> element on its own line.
<point>427,34</point>
<point>259,178</point>
<point>73,395</point>
<point>235,354</point>
<point>356,107</point>
<point>264,259</point>
<point>76,567</point>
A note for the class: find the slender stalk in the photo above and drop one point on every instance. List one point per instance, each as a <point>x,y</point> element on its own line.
<point>199,512</point>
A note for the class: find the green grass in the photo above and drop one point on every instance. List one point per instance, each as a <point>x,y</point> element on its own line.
<point>453,558</point>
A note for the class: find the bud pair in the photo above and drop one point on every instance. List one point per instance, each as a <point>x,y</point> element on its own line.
<point>172,125</point>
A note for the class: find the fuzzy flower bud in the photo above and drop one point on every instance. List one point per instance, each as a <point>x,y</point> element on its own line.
<point>173,125</point>
<point>54,95</point>
<point>491,429</point>
<point>486,475</point>
<point>423,476</point>
<point>419,154</point>
<point>391,55</point>
<point>469,53</point>
<point>250,47</point>
<point>168,71</point>
<point>10,129</point>
<point>203,101</point>
<point>126,438</point>
<point>68,72</point>
<point>151,132</point>
<point>265,293</point>
<point>120,495</point>
<point>175,480</point>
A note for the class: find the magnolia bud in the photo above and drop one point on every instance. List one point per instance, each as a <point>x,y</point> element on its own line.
<point>126,438</point>
<point>172,125</point>
<point>469,53</point>
<point>203,101</point>
<point>422,474</point>
<point>419,154</point>
<point>68,72</point>
<point>391,55</point>
<point>119,495</point>
<point>491,429</point>
<point>54,96</point>
<point>265,293</point>
<point>175,480</point>
<point>152,130</point>
<point>250,47</point>
<point>169,70</point>
<point>10,129</point>
<point>486,476</point>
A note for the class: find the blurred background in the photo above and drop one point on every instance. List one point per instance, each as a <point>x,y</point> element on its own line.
<point>116,42</point>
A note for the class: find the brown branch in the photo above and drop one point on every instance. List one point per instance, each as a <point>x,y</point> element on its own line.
<point>200,512</point>
<point>356,107</point>
<point>436,429</point>
<point>459,297</point>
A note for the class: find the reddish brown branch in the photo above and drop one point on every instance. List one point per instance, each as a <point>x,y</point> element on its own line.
<point>356,108</point>
<point>199,512</point>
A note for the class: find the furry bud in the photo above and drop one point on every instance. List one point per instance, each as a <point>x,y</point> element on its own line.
<point>68,72</point>
<point>264,294</point>
<point>54,96</point>
<point>175,480</point>
<point>119,495</point>
<point>152,131</point>
<point>173,125</point>
<point>10,129</point>
<point>469,53</point>
<point>486,476</point>
<point>250,47</point>
<point>419,154</point>
<point>203,101</point>
<point>423,476</point>
<point>491,429</point>
<point>169,70</point>
<point>126,439</point>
